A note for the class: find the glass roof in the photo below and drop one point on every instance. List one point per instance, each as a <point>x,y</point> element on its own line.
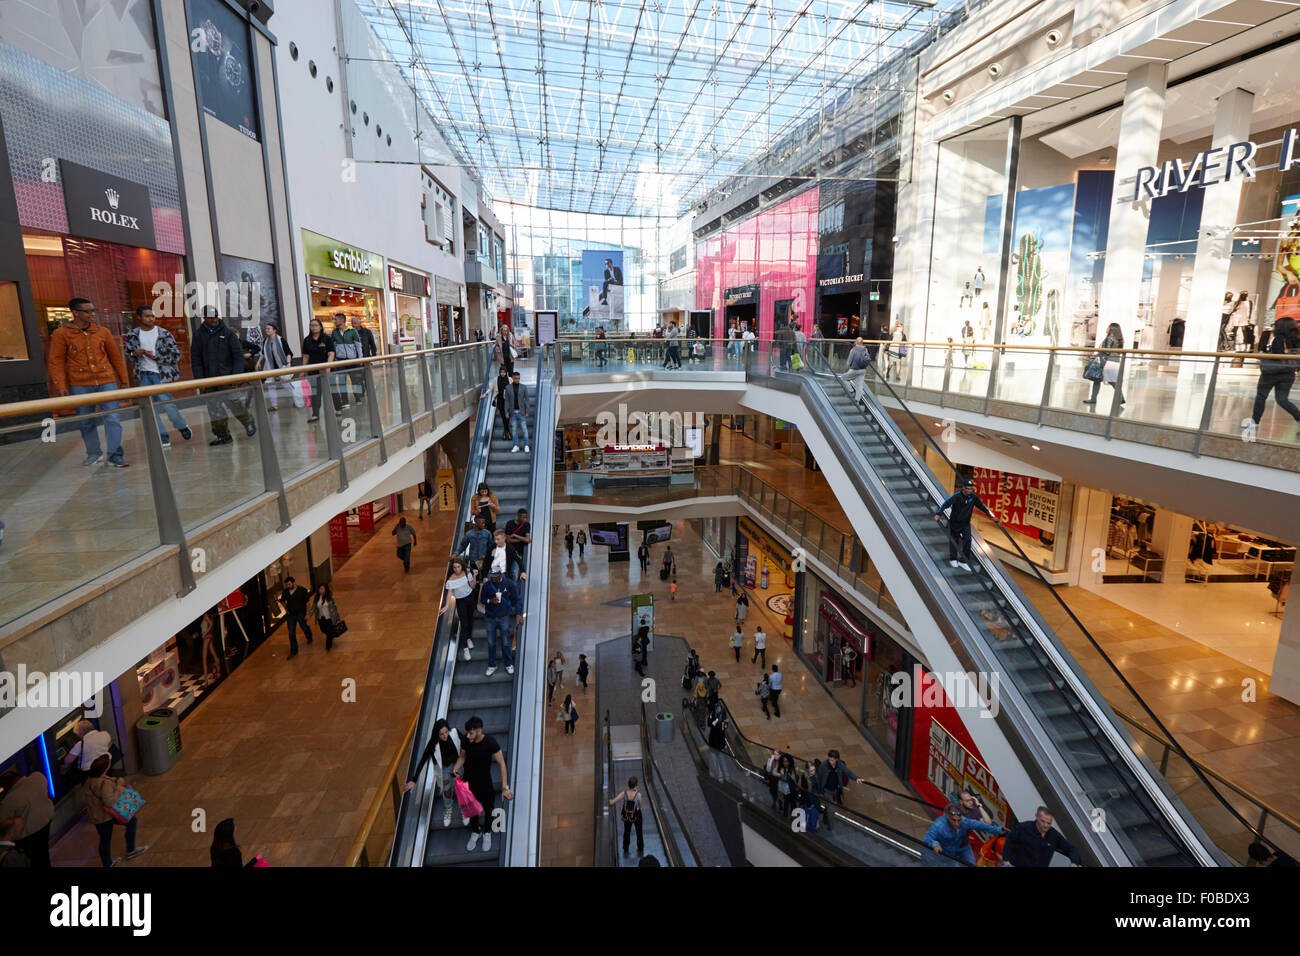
<point>632,107</point>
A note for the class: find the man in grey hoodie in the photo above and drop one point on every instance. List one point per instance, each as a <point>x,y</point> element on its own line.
<point>859,360</point>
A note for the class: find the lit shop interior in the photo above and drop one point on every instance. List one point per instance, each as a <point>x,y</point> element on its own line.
<point>328,298</point>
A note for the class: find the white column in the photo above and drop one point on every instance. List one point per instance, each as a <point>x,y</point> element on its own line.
<point>1285,681</point>
<point>1139,145</point>
<point>1089,526</point>
<point>1171,536</point>
<point>1218,217</point>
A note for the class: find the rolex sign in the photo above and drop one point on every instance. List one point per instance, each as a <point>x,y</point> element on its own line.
<point>104,206</point>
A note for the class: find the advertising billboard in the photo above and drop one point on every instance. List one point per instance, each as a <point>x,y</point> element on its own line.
<point>602,287</point>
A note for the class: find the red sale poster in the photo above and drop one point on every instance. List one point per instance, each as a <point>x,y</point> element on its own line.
<point>339,534</point>
<point>366,517</point>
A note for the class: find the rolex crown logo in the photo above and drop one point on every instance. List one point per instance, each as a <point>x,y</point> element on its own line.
<point>112,197</point>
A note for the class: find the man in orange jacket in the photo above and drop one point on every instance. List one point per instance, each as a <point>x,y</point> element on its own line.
<point>84,359</point>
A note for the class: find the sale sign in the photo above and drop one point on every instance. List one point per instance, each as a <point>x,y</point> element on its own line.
<point>366,517</point>
<point>1024,504</point>
<point>339,534</point>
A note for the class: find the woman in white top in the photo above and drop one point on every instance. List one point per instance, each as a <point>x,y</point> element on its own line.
<point>1243,322</point>
<point>443,749</point>
<point>460,588</point>
<point>557,661</point>
<point>91,744</point>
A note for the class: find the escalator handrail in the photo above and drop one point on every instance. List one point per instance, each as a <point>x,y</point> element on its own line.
<point>905,841</point>
<point>1138,777</point>
<point>1010,591</point>
<point>523,838</point>
<point>438,678</point>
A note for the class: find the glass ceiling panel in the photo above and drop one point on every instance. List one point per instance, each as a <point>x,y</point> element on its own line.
<point>635,107</point>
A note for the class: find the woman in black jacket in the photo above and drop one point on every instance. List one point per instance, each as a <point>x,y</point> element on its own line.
<point>1277,375</point>
<point>318,348</point>
<point>224,851</point>
<point>1114,340</point>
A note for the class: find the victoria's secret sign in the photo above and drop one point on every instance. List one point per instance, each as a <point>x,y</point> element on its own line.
<point>104,206</point>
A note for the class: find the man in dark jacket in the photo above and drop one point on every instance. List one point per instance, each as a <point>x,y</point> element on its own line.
<point>833,775</point>
<point>214,351</point>
<point>960,506</point>
<point>1033,842</point>
<point>294,601</point>
<point>516,410</point>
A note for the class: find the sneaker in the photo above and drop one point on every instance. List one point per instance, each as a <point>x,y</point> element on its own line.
<point>490,672</point>
<point>314,418</point>
<point>487,843</point>
<point>515,449</point>
<point>251,429</point>
<point>93,459</point>
<point>473,841</point>
<point>118,463</point>
<point>186,434</point>
<point>274,408</point>
<point>166,443</point>
<point>527,450</point>
<point>953,563</point>
<point>469,642</point>
<point>464,821</point>
<point>963,565</point>
<point>221,440</point>
<point>117,861</point>
<point>1248,423</point>
<point>464,653</point>
<point>510,668</point>
<point>446,818</point>
<point>137,851</point>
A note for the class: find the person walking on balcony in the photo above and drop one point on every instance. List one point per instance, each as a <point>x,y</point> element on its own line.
<point>405,536</point>
<point>347,345</point>
<point>84,359</point>
<point>1110,365</point>
<point>326,612</point>
<point>961,506</point>
<point>895,352</point>
<point>673,359</point>
<point>602,358</point>
<point>216,351</point>
<point>294,601</point>
<point>277,354</point>
<point>156,359</point>
<point>317,349</point>
<point>517,410</point>
<point>760,646</point>
<point>1277,375</point>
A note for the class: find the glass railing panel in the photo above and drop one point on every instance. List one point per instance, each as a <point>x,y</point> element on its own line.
<point>414,387</point>
<point>353,408</point>
<point>1020,377</point>
<point>51,544</point>
<point>388,392</point>
<point>209,480</point>
<point>1233,404</point>
<point>1162,389</point>
<point>300,443</point>
<point>436,363</point>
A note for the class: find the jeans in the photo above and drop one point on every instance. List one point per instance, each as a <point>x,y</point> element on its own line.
<point>163,405</point>
<point>760,652</point>
<point>1279,383</point>
<point>217,411</point>
<point>106,839</point>
<point>571,726</point>
<point>404,554</point>
<point>601,357</point>
<point>959,541</point>
<point>674,359</point>
<point>519,425</point>
<point>774,698</point>
<point>498,635</point>
<point>294,621</point>
<point>426,504</point>
<point>90,426</point>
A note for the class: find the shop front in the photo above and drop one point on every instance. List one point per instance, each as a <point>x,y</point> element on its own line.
<point>409,304</point>
<point>449,299</point>
<point>345,279</point>
<point>855,242</point>
<point>767,566</point>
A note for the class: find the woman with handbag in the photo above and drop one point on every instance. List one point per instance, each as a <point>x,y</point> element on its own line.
<point>443,749</point>
<point>105,807</point>
<point>504,350</point>
<point>1105,368</point>
<point>631,815</point>
<point>326,611</point>
<point>569,714</point>
<point>742,609</point>
<point>1277,375</point>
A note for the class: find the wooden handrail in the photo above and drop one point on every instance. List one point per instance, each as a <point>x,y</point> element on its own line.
<point>36,406</point>
<point>383,793</point>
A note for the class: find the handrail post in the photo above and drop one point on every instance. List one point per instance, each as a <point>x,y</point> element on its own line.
<point>170,528</point>
<point>1047,384</point>
<point>272,479</point>
<point>372,405</point>
<point>1208,408</point>
<point>947,378</point>
<point>426,386</point>
<point>1118,389</point>
<point>994,362</point>
<point>330,418</point>
<point>446,366</point>
<point>404,400</point>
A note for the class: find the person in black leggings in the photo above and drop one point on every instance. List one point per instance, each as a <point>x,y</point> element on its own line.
<point>631,815</point>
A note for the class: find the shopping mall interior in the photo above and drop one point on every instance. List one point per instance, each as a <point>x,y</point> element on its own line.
<point>809,435</point>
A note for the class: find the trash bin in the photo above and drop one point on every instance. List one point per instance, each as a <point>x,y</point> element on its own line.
<point>664,728</point>
<point>158,734</point>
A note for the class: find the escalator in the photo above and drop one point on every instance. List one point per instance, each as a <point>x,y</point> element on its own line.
<point>458,689</point>
<point>1109,799</point>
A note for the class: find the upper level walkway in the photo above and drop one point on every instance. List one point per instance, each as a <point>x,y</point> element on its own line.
<point>99,564</point>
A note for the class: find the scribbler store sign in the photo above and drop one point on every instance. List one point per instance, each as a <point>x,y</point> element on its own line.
<point>103,206</point>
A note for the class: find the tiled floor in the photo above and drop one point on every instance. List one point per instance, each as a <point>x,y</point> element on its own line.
<point>277,748</point>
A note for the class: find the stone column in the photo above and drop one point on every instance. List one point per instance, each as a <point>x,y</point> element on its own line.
<point>1139,145</point>
<point>1089,525</point>
<point>1218,217</point>
<point>1285,681</point>
<point>1171,535</point>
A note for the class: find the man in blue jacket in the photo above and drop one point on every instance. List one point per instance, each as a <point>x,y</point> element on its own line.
<point>1033,842</point>
<point>500,600</point>
<point>960,506</point>
<point>947,834</point>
